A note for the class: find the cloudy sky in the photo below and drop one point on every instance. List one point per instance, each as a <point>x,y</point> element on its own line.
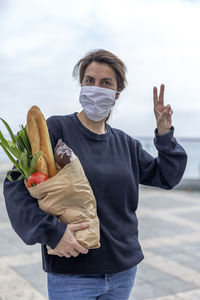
<point>159,41</point>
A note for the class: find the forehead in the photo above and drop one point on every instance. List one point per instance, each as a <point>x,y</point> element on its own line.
<point>99,70</point>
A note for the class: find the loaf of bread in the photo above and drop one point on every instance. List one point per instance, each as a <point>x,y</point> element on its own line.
<point>38,135</point>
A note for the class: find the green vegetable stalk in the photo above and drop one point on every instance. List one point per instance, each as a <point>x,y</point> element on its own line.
<point>18,149</point>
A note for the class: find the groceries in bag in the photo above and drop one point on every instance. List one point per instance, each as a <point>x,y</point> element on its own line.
<point>59,184</point>
<point>66,194</point>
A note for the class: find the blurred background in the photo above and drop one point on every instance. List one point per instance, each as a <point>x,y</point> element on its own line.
<point>41,41</point>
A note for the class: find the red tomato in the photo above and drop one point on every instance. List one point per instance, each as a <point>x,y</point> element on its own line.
<point>36,178</point>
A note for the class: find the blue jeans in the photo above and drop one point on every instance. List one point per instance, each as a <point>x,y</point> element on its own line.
<point>91,286</point>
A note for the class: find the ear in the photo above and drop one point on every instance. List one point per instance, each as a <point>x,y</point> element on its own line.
<point>117,96</point>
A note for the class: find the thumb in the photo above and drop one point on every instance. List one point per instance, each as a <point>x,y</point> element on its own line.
<point>166,111</point>
<point>80,226</point>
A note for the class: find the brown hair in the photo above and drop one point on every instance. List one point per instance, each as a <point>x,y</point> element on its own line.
<point>102,56</point>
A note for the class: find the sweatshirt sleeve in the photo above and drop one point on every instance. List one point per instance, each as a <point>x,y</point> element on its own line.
<point>27,219</point>
<point>166,170</point>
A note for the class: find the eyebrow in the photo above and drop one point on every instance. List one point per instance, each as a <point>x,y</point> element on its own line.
<point>106,78</point>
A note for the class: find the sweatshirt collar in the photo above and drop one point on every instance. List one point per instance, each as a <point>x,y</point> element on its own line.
<point>89,132</point>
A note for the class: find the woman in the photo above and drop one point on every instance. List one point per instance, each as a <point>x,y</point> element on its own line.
<point>114,164</point>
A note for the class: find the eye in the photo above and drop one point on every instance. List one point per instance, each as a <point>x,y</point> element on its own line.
<point>89,80</point>
<point>107,82</point>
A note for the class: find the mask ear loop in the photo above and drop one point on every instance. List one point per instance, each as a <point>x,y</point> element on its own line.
<point>113,105</point>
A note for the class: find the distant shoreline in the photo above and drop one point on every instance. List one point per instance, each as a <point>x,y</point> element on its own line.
<point>179,138</point>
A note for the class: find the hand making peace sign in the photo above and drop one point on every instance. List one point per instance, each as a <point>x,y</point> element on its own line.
<point>163,113</point>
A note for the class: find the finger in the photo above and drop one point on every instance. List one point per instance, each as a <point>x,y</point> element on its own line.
<point>158,113</point>
<point>169,117</point>
<point>168,109</point>
<point>74,253</point>
<point>68,255</point>
<point>168,106</point>
<point>80,226</point>
<point>166,115</point>
<point>163,116</point>
<point>165,112</point>
<point>161,95</point>
<point>169,120</point>
<point>80,248</point>
<point>59,254</point>
<point>155,96</point>
<point>170,113</point>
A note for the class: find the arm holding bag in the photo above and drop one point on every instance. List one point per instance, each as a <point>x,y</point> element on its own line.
<point>69,196</point>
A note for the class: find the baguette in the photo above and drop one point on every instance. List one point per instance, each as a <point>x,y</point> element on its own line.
<point>38,135</point>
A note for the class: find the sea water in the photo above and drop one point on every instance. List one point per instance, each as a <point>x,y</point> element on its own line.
<point>191,146</point>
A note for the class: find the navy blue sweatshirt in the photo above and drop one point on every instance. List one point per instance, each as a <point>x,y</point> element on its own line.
<point>114,164</point>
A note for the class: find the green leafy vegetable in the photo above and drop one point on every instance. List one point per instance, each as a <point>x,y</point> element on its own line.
<point>9,130</point>
<point>19,152</point>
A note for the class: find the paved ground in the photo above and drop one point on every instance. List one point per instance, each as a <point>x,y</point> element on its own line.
<point>169,226</point>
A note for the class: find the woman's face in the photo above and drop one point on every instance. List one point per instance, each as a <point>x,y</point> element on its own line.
<point>101,75</point>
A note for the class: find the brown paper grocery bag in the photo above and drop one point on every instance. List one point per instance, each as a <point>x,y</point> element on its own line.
<point>69,196</point>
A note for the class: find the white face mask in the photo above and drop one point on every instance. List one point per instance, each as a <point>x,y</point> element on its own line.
<point>96,101</point>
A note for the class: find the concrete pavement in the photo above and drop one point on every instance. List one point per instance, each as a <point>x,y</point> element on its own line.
<point>169,231</point>
<point>169,223</point>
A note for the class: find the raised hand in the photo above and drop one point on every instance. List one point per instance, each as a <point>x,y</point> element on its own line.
<point>163,113</point>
